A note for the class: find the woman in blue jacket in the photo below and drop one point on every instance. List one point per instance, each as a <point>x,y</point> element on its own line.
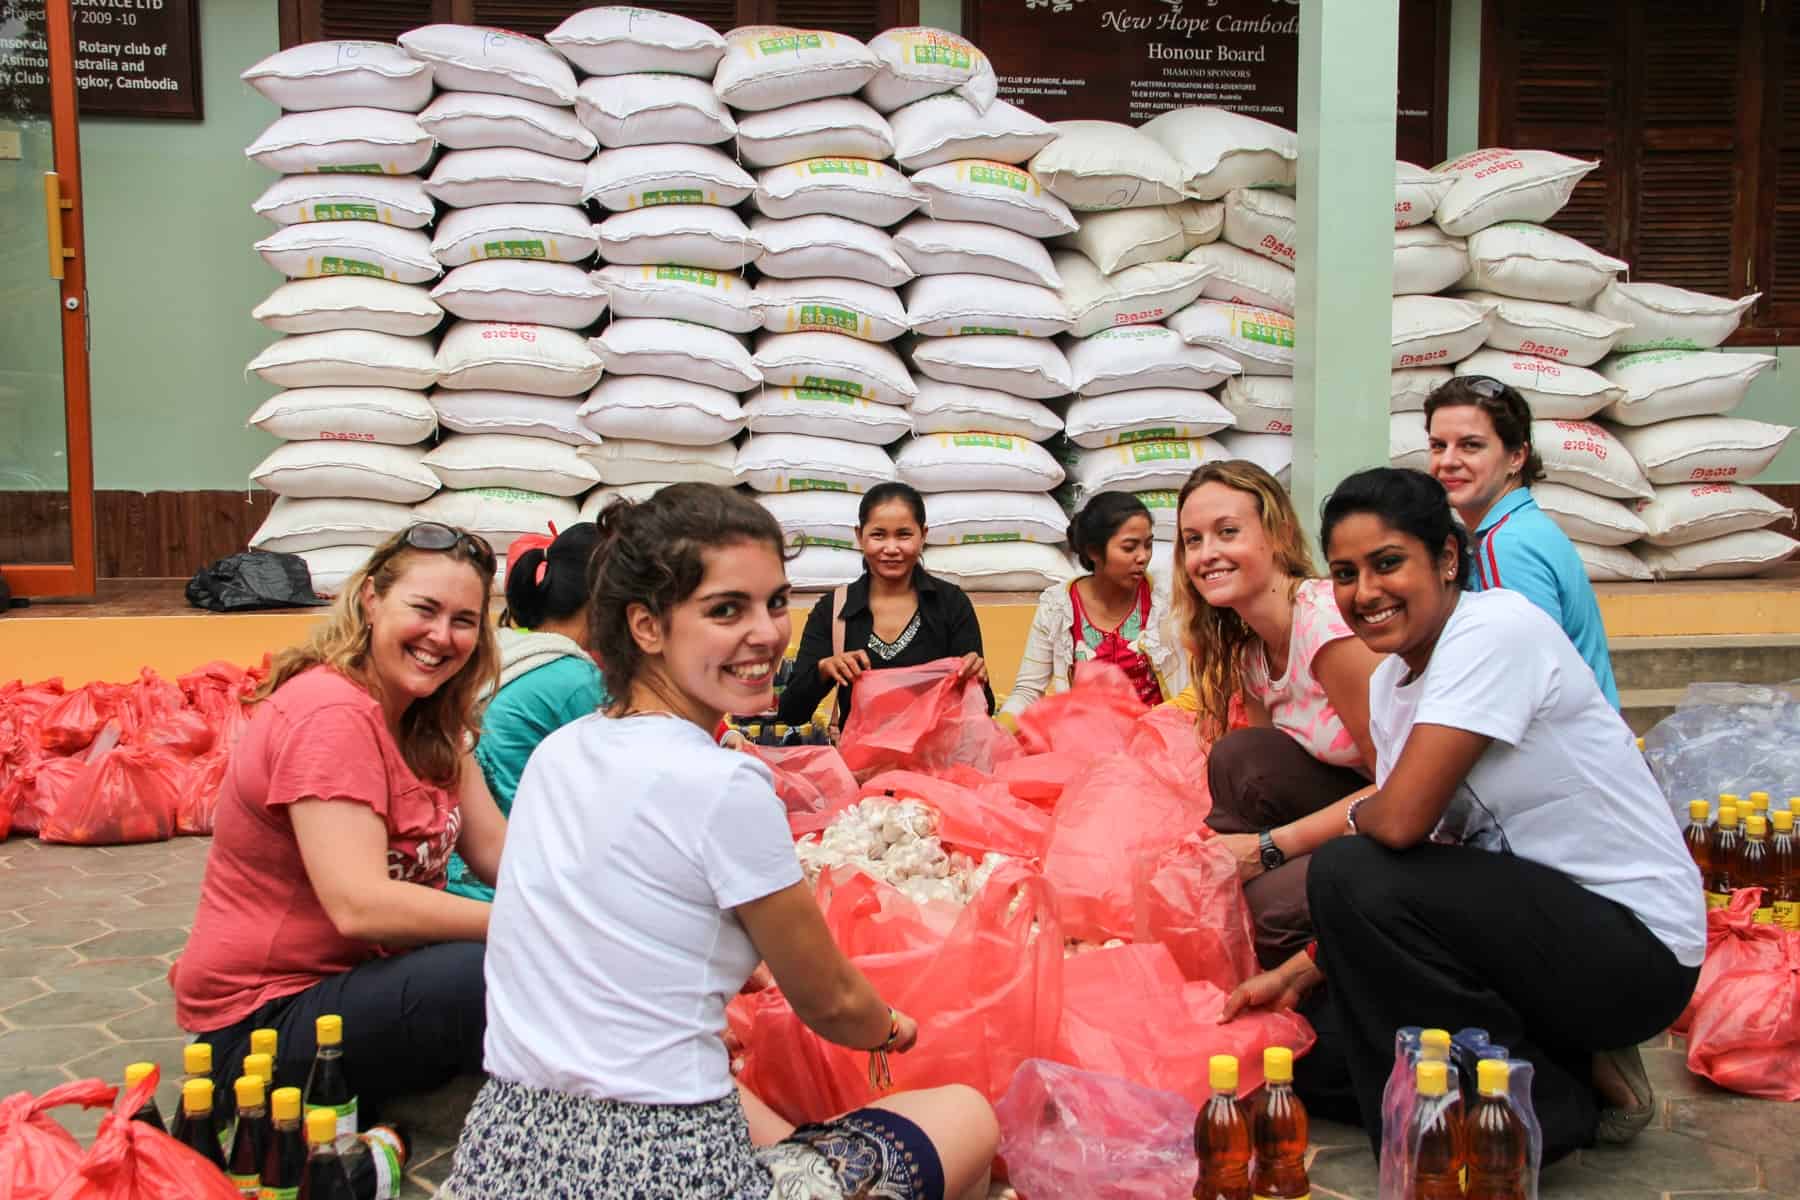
<point>1479,432</point>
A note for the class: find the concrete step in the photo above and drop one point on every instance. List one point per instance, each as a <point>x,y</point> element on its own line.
<point>1662,663</point>
<point>1644,707</point>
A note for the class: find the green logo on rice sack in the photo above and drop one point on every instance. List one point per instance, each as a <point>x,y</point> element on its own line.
<point>848,387</point>
<point>817,485</point>
<point>1149,435</point>
<point>990,441</point>
<point>999,176</point>
<point>934,55</point>
<point>688,275</point>
<point>1143,452</point>
<point>356,169</point>
<point>807,539</point>
<point>969,539</point>
<point>332,264</point>
<point>1266,333</point>
<point>829,318</point>
<point>790,43</point>
<point>824,396</point>
<point>672,196</point>
<point>345,212</point>
<point>839,166</point>
<point>1159,499</point>
<point>506,495</point>
<point>978,330</point>
<point>521,248</point>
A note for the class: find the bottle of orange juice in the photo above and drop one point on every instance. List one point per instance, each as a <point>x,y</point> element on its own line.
<point>1222,1137</point>
<point>1278,1129</point>
<point>1784,871</point>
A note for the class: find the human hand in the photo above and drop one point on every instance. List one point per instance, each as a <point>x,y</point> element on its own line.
<point>972,667</point>
<point>844,669</point>
<point>1271,991</point>
<point>1246,852</point>
<point>760,979</point>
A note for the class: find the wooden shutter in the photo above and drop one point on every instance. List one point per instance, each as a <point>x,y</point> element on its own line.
<point>383,20</point>
<point>374,20</point>
<point>861,19</point>
<point>538,17</point>
<point>1777,263</point>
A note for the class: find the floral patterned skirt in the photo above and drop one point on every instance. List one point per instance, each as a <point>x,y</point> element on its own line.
<point>522,1141</point>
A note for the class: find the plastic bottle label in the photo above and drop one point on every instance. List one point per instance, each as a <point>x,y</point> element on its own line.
<point>1716,900</point>
<point>1787,914</point>
<point>346,1116</point>
<point>275,1193</point>
<point>1765,915</point>
<point>387,1165</point>
<point>248,1186</point>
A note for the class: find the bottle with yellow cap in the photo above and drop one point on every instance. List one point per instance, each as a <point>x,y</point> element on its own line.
<point>1699,836</point>
<point>196,1063</point>
<point>264,1041</point>
<point>250,1140</point>
<point>1784,871</point>
<point>1759,804</point>
<point>325,1177</point>
<point>1434,1045</point>
<point>284,1162</point>
<point>1222,1137</point>
<point>1434,1135</point>
<point>148,1113</point>
<point>1495,1140</point>
<point>200,1128</point>
<point>327,1085</point>
<point>263,1067</point>
<point>1723,858</point>
<point>1278,1130</point>
<point>1751,869</point>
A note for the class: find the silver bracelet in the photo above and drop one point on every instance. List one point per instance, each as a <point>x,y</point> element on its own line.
<point>1350,814</point>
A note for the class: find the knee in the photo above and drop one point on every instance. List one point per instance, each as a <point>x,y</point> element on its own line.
<point>1354,878</point>
<point>1237,766</point>
<point>971,1111</point>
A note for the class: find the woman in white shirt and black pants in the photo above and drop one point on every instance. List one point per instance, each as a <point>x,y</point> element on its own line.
<point>648,872</point>
<point>1516,867</point>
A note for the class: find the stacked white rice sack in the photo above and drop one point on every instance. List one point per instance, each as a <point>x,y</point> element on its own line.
<point>356,311</point>
<point>672,249</point>
<point>515,243</point>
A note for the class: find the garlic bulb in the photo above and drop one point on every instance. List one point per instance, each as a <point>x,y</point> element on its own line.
<point>895,841</point>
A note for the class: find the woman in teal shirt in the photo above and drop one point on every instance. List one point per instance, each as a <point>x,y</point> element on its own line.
<point>547,675</point>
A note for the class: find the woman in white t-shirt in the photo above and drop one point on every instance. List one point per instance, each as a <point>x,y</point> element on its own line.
<point>648,872</point>
<point>1516,867</point>
<point>1259,625</point>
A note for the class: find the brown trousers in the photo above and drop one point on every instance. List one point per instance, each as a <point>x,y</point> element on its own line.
<point>1261,778</point>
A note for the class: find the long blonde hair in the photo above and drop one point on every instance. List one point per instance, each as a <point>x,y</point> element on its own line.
<point>1216,639</point>
<point>435,731</point>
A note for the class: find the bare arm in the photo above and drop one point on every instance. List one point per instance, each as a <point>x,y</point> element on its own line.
<point>825,989</point>
<point>344,846</point>
<point>1433,763</point>
<point>1343,668</point>
<point>483,825</point>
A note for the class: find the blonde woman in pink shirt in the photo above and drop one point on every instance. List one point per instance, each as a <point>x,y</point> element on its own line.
<point>1261,627</point>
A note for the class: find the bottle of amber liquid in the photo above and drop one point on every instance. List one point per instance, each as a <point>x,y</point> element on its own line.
<point>1759,805</point>
<point>325,1177</point>
<point>1751,870</point>
<point>1279,1133</point>
<point>1222,1137</point>
<point>200,1129</point>
<point>1784,871</point>
<point>149,1114</point>
<point>196,1063</point>
<point>264,1041</point>
<point>1495,1140</point>
<point>1723,858</point>
<point>250,1140</point>
<point>1730,800</point>
<point>1437,1131</point>
<point>1699,837</point>
<point>284,1162</point>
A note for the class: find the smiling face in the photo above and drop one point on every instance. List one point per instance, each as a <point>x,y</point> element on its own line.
<point>716,651</point>
<point>1127,554</point>
<point>891,541</point>
<point>423,629</point>
<point>1225,550</point>
<point>1469,459</point>
<point>1393,590</point>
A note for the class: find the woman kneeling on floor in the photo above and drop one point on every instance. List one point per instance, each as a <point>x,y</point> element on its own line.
<point>1516,867</point>
<point>324,889</point>
<point>622,929</point>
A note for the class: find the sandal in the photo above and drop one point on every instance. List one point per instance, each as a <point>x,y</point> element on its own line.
<point>1618,1126</point>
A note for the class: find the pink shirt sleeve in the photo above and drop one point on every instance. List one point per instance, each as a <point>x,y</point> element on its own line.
<point>330,753</point>
<point>1317,621</point>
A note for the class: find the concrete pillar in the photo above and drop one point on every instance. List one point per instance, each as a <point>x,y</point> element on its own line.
<point>1464,132</point>
<point>1349,72</point>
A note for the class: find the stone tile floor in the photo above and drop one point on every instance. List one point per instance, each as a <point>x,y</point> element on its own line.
<point>87,936</point>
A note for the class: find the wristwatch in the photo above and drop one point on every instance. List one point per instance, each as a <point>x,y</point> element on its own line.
<point>1268,851</point>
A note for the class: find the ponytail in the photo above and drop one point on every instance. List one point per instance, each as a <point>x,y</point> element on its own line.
<point>549,582</point>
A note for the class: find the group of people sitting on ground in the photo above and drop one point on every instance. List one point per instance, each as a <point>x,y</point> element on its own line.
<point>1417,761</point>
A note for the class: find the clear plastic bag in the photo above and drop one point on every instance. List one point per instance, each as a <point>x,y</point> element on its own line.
<point>1070,1133</point>
<point>1727,737</point>
<point>1401,1118</point>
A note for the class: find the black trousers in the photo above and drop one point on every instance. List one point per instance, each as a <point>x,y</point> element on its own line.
<point>1261,778</point>
<point>1453,937</point>
<point>412,1023</point>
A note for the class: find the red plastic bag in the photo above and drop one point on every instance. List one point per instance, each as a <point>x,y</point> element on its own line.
<point>1734,942</point>
<point>1116,812</point>
<point>69,725</point>
<point>922,718</point>
<point>986,996</point>
<point>36,1153</point>
<point>40,787</point>
<point>1168,740</point>
<point>1746,1030</point>
<point>130,1160</point>
<point>1097,715</point>
<point>1040,778</point>
<point>1189,899</point>
<point>1128,1012</point>
<point>976,814</point>
<point>1065,1132</point>
<point>809,779</point>
<point>198,803</point>
<point>127,794</point>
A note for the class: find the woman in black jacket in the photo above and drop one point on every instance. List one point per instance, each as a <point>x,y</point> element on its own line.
<point>896,615</point>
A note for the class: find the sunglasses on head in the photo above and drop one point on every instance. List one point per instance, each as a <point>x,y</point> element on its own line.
<point>1484,385</point>
<point>434,535</point>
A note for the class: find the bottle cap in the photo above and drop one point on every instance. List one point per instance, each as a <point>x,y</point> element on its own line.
<point>329,1029</point>
<point>1757,825</point>
<point>1222,1072</point>
<point>249,1089</point>
<point>1794,804</point>
<point>1784,820</point>
<point>1491,1075</point>
<point>1278,1064</point>
<point>135,1073</point>
<point>1728,798</point>
<point>285,1104</point>
<point>260,1065</point>
<point>196,1097</point>
<point>1727,814</point>
<point>1434,1044</point>
<point>196,1058</point>
<point>262,1041</point>
<point>1434,1077</point>
<point>1640,745</point>
<point>1698,810</point>
<point>1759,800</point>
<point>321,1127</point>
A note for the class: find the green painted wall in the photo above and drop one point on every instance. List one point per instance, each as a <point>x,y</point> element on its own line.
<point>172,277</point>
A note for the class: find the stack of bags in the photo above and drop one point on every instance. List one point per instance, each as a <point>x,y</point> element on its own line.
<point>513,240</point>
<point>357,357</point>
<point>672,247</point>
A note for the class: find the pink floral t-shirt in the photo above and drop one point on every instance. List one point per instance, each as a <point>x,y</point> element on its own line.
<point>1296,702</point>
